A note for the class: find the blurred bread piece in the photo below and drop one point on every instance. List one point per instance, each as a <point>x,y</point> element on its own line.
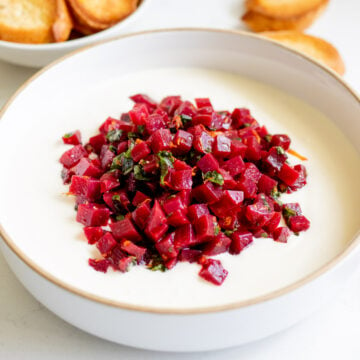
<point>27,21</point>
<point>258,22</point>
<point>100,14</point>
<point>284,9</point>
<point>312,46</point>
<point>63,23</point>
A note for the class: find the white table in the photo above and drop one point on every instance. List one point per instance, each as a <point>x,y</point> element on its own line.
<point>29,331</point>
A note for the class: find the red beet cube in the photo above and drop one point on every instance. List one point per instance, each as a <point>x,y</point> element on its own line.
<point>178,218</point>
<point>106,244</point>
<point>92,215</point>
<point>139,114</point>
<point>140,151</point>
<point>93,233</point>
<point>281,234</point>
<point>173,203</point>
<point>150,164</point>
<point>203,142</point>
<point>288,175</point>
<point>190,255</point>
<point>232,198</point>
<point>234,166</point>
<point>207,193</point>
<point>166,247</point>
<point>71,157</point>
<point>280,140</point>
<point>97,142</point>
<point>170,104</point>
<point>229,222</point>
<point>203,119</point>
<point>275,159</point>
<point>298,223</point>
<point>229,182</point>
<point>208,163</point>
<point>181,180</point>
<point>258,214</point>
<point>248,187</point>
<point>156,226</point>
<point>222,146</point>
<point>124,229</point>
<point>301,180</point>
<point>101,265</point>
<point>184,236</point>
<point>266,184</point>
<point>86,187</point>
<point>206,228</point>
<point>72,138</point>
<point>240,117</point>
<point>130,248</point>
<point>213,271</point>
<point>240,240</point>
<point>183,142</point>
<point>273,223</point>
<point>160,140</point>
<point>253,151</point>
<point>154,122</point>
<point>85,167</point>
<point>196,211</point>
<point>141,214</point>
<point>139,198</point>
<point>125,264</point>
<point>238,148</point>
<point>145,100</point>
<point>109,181</point>
<point>106,157</point>
<point>109,125</point>
<point>203,102</point>
<point>251,172</point>
<point>219,245</point>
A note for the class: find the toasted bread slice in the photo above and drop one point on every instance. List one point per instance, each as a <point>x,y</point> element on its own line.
<point>101,14</point>
<point>284,9</point>
<point>27,21</point>
<point>63,23</point>
<point>259,22</point>
<point>312,46</point>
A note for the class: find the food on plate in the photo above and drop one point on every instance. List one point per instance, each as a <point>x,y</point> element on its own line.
<point>46,21</point>
<point>173,181</point>
<point>27,21</point>
<point>270,15</point>
<point>312,46</point>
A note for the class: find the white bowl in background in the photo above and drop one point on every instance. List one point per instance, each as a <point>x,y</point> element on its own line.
<point>39,55</point>
<point>44,246</point>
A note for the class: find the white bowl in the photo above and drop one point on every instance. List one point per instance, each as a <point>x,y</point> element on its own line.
<point>175,311</point>
<point>39,55</point>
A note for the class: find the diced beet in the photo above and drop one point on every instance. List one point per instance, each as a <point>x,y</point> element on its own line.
<point>106,243</point>
<point>206,228</point>
<point>238,148</point>
<point>207,193</point>
<point>166,247</point>
<point>106,157</point>
<point>240,117</point>
<point>186,108</point>
<point>72,138</point>
<point>109,125</point>
<point>213,271</point>
<point>139,198</point>
<point>203,102</point>
<point>178,218</point>
<point>124,264</point>
<point>203,142</point>
<point>71,157</point>
<point>222,146</point>
<point>146,100</point>
<point>229,181</point>
<point>154,123</point>
<point>196,211</point>
<point>160,140</point>
<point>298,223</point>
<point>181,165</point>
<point>93,233</point>
<point>156,226</point>
<point>208,163</point>
<point>280,140</point>
<point>219,245</point>
<point>130,248</point>
<point>229,222</point>
<point>92,215</point>
<point>109,181</point>
<point>139,114</point>
<point>122,147</point>
<point>124,229</point>
<point>85,186</point>
<point>190,255</point>
<point>173,203</point>
<point>240,240</point>
<point>185,195</point>
<point>86,168</point>
<point>101,265</point>
<point>232,198</point>
<point>170,104</point>
<point>97,142</point>
<point>260,233</point>
<point>234,166</point>
<point>150,164</point>
<point>266,184</point>
<point>66,175</point>
<point>183,142</point>
<point>288,175</point>
<point>253,151</point>
<point>141,213</point>
<point>203,119</point>
<point>275,159</point>
<point>251,172</point>
<point>273,223</point>
<point>258,213</point>
<point>140,151</point>
<point>248,186</point>
<point>169,264</point>
<point>181,180</point>
<point>117,200</point>
<point>301,180</point>
<point>281,234</point>
<point>184,236</point>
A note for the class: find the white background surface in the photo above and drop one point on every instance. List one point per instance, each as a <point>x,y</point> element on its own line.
<point>29,331</point>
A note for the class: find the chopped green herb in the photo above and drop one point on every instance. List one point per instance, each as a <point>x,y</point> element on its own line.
<point>280,150</point>
<point>68,135</point>
<point>268,137</point>
<point>264,235</point>
<point>116,197</point>
<point>247,124</point>
<point>114,135</point>
<point>275,193</point>
<point>131,135</point>
<point>141,128</point>
<point>113,149</point>
<point>139,173</point>
<point>287,212</point>
<point>157,264</point>
<point>214,177</point>
<point>166,161</point>
<point>229,232</point>
<point>185,119</point>
<point>127,166</point>
<point>119,217</point>
<point>217,230</point>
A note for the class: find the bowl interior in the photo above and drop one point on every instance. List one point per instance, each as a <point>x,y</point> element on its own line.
<point>285,91</point>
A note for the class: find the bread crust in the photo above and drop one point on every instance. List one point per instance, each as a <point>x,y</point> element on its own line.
<point>63,22</point>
